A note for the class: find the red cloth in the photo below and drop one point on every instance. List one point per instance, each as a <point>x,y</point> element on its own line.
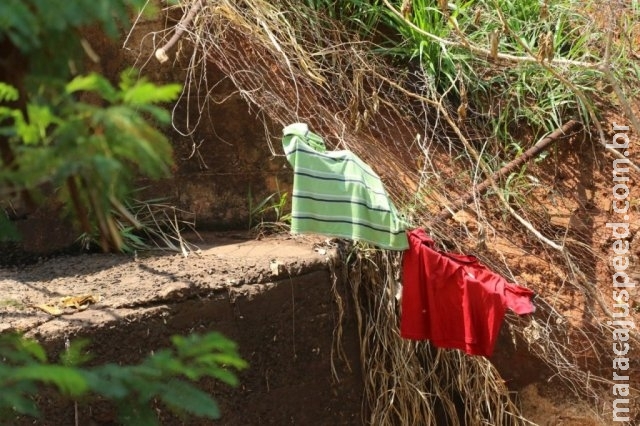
<point>453,300</point>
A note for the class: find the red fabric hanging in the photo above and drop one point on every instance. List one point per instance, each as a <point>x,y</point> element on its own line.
<point>453,300</point>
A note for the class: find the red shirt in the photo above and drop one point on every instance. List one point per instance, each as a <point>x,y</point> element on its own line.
<point>453,300</point>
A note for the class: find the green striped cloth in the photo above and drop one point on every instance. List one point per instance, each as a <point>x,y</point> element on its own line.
<point>337,194</point>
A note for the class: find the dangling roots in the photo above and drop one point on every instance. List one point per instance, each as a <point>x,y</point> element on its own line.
<point>404,380</point>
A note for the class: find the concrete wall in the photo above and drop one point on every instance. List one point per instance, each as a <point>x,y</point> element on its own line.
<point>225,157</point>
<point>283,329</point>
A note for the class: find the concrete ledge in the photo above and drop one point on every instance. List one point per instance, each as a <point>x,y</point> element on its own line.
<point>273,297</point>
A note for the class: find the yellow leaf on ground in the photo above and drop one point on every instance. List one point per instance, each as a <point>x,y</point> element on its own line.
<point>79,303</point>
<point>50,309</point>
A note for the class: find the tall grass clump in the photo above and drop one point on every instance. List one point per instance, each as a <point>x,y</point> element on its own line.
<point>507,67</point>
<point>494,61</point>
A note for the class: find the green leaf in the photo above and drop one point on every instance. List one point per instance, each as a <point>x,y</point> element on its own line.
<point>144,93</point>
<point>134,414</point>
<point>225,376</point>
<point>166,362</point>
<point>13,399</point>
<point>75,355</point>
<point>161,115</point>
<point>194,344</point>
<point>93,83</point>
<point>142,387</point>
<point>184,397</point>
<point>147,371</point>
<point>223,359</point>
<point>19,23</point>
<point>108,380</point>
<point>68,380</point>
<point>8,231</point>
<point>32,348</point>
<point>17,350</point>
<point>41,117</point>
<point>8,93</point>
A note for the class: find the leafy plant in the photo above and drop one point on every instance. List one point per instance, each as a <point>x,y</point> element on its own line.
<point>437,60</point>
<point>75,136</point>
<point>8,231</point>
<point>363,15</point>
<point>453,47</point>
<point>90,151</point>
<point>518,186</point>
<point>46,30</point>
<point>163,376</point>
<point>518,28</point>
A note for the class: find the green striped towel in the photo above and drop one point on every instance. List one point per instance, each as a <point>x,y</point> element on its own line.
<point>337,194</point>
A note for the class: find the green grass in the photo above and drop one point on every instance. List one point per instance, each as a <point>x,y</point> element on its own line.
<point>272,213</point>
<point>442,41</point>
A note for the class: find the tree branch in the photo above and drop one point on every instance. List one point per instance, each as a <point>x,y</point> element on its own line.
<point>161,53</point>
<point>508,168</point>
